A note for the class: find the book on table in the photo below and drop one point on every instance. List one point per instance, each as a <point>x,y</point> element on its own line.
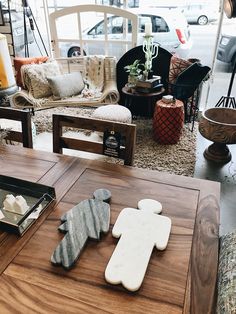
<point>147,90</point>
<point>150,83</point>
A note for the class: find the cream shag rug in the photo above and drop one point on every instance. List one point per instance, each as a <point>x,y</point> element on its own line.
<point>178,159</point>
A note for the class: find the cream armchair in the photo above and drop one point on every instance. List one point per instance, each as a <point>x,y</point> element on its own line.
<point>98,73</point>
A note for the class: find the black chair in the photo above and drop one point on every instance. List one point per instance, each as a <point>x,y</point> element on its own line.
<point>188,88</point>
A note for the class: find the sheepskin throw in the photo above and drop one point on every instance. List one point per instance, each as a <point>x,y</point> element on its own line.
<point>35,78</point>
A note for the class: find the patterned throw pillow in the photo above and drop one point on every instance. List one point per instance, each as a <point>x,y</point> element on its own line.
<point>177,65</point>
<point>66,85</point>
<point>35,78</point>
<point>94,72</point>
<point>18,62</point>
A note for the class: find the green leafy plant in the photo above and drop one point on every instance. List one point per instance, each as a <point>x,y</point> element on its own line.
<point>135,68</point>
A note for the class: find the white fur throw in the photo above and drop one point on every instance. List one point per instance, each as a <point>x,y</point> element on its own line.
<point>115,113</point>
<point>35,78</point>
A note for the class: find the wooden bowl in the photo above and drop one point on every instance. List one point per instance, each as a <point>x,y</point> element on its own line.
<point>219,126</point>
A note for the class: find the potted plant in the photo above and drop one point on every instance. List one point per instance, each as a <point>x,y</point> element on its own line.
<point>134,71</point>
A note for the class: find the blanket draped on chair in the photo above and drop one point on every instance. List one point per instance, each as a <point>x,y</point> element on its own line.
<point>99,74</point>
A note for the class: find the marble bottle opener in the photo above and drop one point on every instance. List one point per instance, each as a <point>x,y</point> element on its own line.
<point>139,231</point>
<point>85,220</point>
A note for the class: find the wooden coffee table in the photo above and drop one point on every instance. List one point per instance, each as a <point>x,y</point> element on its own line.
<point>180,279</point>
<point>148,99</point>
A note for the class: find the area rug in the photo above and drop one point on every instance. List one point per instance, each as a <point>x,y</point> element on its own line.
<point>177,159</point>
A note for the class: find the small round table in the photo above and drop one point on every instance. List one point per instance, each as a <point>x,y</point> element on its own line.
<point>131,95</point>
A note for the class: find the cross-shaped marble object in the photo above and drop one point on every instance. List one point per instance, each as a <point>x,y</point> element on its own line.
<point>85,220</point>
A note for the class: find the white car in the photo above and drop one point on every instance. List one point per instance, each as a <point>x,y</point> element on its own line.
<point>201,13</point>
<point>169,29</point>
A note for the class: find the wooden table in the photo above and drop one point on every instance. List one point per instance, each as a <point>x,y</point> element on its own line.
<point>180,279</point>
<point>149,100</point>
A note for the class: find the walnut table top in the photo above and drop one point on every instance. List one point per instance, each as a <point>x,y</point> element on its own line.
<point>180,279</point>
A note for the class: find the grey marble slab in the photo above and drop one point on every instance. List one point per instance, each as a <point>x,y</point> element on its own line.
<point>85,220</point>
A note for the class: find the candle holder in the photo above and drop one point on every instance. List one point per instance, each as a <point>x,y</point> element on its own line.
<point>151,51</point>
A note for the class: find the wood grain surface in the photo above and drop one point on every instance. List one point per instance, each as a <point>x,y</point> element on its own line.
<point>179,279</point>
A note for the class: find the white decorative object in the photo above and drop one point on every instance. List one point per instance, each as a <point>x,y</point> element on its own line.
<point>148,29</point>
<point>151,205</point>
<point>139,232</point>
<point>151,51</point>
<point>16,204</point>
<point>20,205</point>
<point>9,201</point>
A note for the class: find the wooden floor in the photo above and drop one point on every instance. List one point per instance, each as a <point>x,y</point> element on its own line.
<point>226,174</point>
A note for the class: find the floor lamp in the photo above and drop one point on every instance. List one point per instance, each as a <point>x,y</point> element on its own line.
<point>228,101</point>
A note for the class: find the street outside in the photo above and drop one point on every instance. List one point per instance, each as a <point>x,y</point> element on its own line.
<point>204,38</point>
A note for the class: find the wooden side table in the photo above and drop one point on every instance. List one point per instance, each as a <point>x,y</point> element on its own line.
<point>149,99</point>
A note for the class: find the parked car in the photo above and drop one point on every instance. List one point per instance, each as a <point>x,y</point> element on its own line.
<point>200,13</point>
<point>169,28</point>
<point>227,49</point>
<point>17,20</point>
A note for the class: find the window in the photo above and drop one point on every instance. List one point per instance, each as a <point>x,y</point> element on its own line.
<point>98,29</point>
<point>159,25</point>
<point>114,26</point>
<point>142,20</point>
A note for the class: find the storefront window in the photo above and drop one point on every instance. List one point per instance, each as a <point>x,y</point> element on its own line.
<point>203,18</point>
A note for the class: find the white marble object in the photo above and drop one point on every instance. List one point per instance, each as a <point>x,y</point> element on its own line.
<point>16,204</point>
<point>20,205</point>
<point>151,205</point>
<point>8,203</point>
<point>139,231</point>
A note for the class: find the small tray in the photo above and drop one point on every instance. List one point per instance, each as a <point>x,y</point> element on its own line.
<point>34,194</point>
